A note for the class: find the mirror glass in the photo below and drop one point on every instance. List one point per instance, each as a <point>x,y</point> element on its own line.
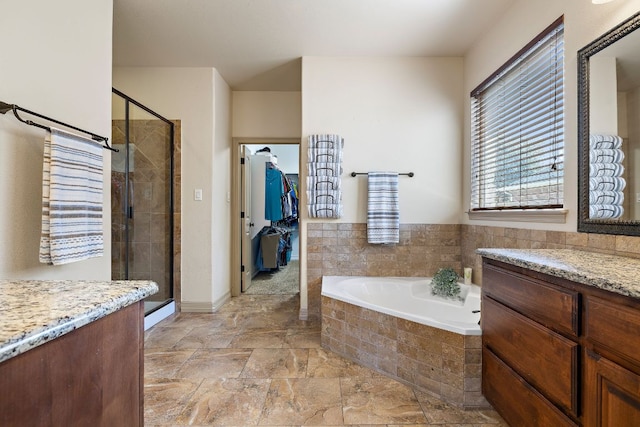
<point>609,132</point>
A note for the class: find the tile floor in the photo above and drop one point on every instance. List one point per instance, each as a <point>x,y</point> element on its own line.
<point>254,363</point>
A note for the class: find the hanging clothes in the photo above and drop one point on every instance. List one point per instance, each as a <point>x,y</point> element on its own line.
<point>274,189</point>
<point>280,200</point>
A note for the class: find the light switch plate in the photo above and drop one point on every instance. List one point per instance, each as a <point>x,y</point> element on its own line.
<point>197,194</point>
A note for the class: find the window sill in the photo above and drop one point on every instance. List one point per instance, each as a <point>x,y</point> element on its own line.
<point>549,216</point>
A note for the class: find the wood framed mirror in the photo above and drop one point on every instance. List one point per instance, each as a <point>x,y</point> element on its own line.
<point>609,132</point>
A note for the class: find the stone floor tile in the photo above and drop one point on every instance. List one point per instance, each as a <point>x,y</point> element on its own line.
<point>226,402</point>
<point>303,401</point>
<point>276,363</point>
<point>260,338</point>
<point>206,337</point>
<point>379,401</point>
<point>160,363</point>
<point>214,363</point>
<point>326,364</point>
<point>164,398</point>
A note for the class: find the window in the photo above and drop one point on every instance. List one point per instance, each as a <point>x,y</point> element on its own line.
<point>517,129</point>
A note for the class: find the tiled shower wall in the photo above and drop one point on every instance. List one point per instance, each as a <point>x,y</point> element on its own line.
<point>149,244</point>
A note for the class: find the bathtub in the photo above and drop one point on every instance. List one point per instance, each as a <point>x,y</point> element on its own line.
<point>396,327</point>
<point>409,298</point>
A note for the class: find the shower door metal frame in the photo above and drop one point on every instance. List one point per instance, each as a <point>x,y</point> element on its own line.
<point>128,100</point>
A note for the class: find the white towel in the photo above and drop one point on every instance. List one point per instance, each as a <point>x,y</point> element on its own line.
<point>324,155</point>
<point>324,196</point>
<point>606,156</point>
<point>324,169</point>
<point>606,197</point>
<point>323,183</point>
<point>605,169</point>
<point>605,211</point>
<point>607,183</point>
<point>325,210</point>
<point>383,208</point>
<point>604,142</point>
<point>72,186</point>
<point>326,141</point>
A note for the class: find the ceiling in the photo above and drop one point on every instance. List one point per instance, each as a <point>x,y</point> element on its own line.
<point>257,44</point>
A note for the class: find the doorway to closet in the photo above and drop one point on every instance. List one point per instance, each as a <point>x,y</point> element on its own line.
<point>269,236</point>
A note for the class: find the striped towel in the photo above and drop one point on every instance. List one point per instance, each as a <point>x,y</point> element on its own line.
<point>325,210</point>
<point>605,169</point>
<point>71,199</point>
<point>324,169</point>
<point>326,141</point>
<point>383,214</point>
<point>607,183</point>
<point>606,197</point>
<point>323,183</point>
<point>604,142</point>
<point>605,211</point>
<point>326,155</point>
<point>606,156</point>
<point>324,196</point>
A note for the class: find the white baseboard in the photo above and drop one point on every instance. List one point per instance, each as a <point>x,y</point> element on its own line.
<point>158,315</point>
<point>204,307</point>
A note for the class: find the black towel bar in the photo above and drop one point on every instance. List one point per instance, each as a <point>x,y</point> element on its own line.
<point>409,174</point>
<point>4,108</point>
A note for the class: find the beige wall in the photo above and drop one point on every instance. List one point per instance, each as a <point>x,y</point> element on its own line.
<point>56,60</point>
<point>398,114</point>
<point>266,114</point>
<point>584,22</point>
<point>199,98</point>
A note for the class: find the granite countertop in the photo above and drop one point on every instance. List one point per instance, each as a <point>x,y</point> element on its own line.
<point>33,312</point>
<point>609,272</point>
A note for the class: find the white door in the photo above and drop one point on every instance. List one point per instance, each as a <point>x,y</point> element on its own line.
<point>245,209</point>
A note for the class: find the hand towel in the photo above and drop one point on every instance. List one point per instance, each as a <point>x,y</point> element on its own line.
<point>383,208</point>
<point>72,187</point>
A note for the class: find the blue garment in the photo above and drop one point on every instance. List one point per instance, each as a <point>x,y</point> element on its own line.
<point>273,190</point>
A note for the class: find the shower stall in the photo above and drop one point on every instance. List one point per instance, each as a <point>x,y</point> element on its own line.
<point>142,201</point>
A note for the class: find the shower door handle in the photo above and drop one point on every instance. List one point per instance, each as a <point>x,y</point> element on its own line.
<point>130,212</point>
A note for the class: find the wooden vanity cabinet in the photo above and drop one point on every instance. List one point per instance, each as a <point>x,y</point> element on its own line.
<point>558,353</point>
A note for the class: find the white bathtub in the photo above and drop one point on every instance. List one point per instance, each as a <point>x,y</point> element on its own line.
<point>408,298</point>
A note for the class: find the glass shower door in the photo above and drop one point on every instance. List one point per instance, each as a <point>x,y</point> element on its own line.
<point>142,202</point>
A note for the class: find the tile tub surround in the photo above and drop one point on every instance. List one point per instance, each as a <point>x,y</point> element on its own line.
<point>33,312</point>
<point>608,272</point>
<point>441,363</point>
<point>341,249</point>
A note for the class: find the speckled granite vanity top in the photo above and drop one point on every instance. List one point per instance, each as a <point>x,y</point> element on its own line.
<point>609,272</point>
<point>33,312</point>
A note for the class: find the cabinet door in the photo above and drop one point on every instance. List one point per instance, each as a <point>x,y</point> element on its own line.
<point>612,394</point>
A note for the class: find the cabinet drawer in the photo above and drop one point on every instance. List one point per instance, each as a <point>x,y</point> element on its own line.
<point>546,360</point>
<point>614,326</point>
<point>552,306</point>
<point>515,400</point>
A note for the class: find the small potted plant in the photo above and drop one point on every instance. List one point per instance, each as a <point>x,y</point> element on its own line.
<point>445,283</point>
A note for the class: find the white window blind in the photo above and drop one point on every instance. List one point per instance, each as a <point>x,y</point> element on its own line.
<point>517,129</point>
